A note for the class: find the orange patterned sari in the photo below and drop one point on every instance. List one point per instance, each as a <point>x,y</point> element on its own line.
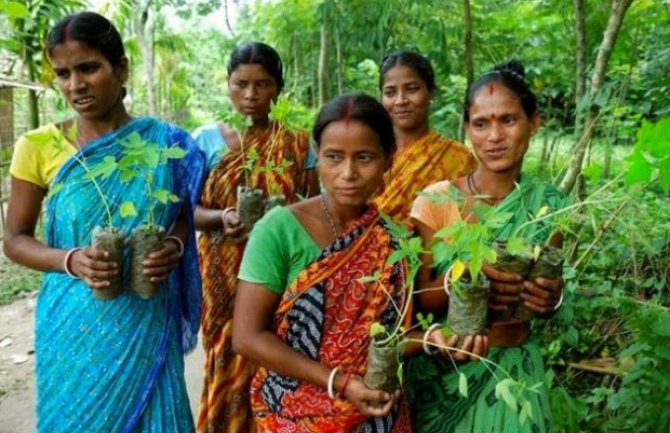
<point>224,405</point>
<point>430,159</point>
<point>326,314</point>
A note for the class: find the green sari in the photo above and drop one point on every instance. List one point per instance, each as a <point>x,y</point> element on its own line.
<point>432,381</point>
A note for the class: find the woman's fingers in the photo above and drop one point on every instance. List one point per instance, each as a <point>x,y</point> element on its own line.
<point>498,275</point>
<point>541,300</point>
<point>368,401</point>
<point>480,347</point>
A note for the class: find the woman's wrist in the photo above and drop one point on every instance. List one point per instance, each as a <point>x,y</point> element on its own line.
<point>178,242</point>
<point>224,214</point>
<point>67,260</point>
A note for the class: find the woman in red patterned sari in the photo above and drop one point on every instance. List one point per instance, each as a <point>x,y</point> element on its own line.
<point>301,312</point>
<point>254,81</point>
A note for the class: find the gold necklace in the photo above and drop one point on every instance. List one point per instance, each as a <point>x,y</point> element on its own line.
<point>329,217</point>
<point>484,197</point>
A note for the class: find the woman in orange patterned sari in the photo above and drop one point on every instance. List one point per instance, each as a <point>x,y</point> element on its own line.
<point>302,312</point>
<point>254,80</point>
<point>407,83</point>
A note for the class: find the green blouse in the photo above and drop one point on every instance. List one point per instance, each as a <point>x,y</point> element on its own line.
<point>278,249</point>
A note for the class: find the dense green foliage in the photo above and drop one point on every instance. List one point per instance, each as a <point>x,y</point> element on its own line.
<point>617,307</point>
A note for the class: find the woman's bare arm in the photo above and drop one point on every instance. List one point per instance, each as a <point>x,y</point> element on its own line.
<point>253,338</point>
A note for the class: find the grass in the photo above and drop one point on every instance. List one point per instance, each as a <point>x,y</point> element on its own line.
<point>16,280</point>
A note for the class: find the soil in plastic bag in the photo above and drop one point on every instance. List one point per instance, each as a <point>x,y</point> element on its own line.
<point>250,205</point>
<point>548,265</point>
<point>382,369</point>
<point>274,201</point>
<point>512,263</point>
<point>468,304</point>
<point>112,241</point>
<point>144,240</point>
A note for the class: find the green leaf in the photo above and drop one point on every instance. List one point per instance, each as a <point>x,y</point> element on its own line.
<point>519,246</point>
<point>14,10</point>
<point>498,219</point>
<point>593,172</point>
<point>162,195</point>
<point>424,321</point>
<point>103,169</point>
<point>396,257</point>
<point>127,209</point>
<point>174,152</point>
<point>377,330</point>
<point>661,326</point>
<point>526,412</point>
<point>502,391</point>
<point>463,384</point>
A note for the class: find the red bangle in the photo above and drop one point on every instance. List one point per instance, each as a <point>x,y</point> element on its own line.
<point>344,385</point>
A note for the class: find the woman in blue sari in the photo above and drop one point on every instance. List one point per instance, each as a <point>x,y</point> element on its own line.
<point>104,365</point>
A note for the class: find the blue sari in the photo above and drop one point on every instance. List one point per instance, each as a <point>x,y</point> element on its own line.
<point>118,366</point>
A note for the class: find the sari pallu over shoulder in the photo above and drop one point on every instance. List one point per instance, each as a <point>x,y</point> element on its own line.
<point>436,404</point>
<point>224,405</point>
<point>430,159</point>
<point>117,366</point>
<point>326,314</point>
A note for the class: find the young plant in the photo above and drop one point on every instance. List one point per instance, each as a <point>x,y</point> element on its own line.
<point>139,161</point>
<point>384,367</point>
<point>106,237</point>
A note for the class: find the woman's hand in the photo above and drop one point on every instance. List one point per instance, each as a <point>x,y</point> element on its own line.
<point>232,226</point>
<point>369,402</point>
<point>93,267</point>
<point>505,288</point>
<point>158,264</point>
<point>471,347</point>
<point>542,295</point>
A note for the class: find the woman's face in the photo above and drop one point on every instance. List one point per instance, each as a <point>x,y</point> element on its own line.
<point>499,129</point>
<point>87,80</point>
<point>406,97</point>
<point>252,89</point>
<point>351,162</point>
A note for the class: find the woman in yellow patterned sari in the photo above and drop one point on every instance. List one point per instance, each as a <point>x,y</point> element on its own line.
<point>254,80</point>
<point>407,83</point>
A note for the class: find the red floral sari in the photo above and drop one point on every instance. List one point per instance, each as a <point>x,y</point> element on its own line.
<point>224,406</point>
<point>326,314</point>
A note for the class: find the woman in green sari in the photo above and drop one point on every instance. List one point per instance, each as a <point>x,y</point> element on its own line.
<point>500,117</point>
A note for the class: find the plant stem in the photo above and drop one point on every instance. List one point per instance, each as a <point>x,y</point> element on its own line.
<point>82,162</point>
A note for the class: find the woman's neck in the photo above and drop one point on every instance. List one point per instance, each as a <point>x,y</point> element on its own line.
<point>405,138</point>
<point>494,186</point>
<point>90,129</point>
<point>343,216</point>
<point>260,125</point>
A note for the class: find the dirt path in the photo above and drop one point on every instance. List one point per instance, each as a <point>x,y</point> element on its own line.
<point>17,364</point>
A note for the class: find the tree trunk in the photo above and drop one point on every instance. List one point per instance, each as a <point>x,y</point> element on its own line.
<point>580,79</point>
<point>33,104</point>
<point>619,8</point>
<point>338,56</point>
<point>469,61</point>
<point>323,57</point>
<point>145,40</point>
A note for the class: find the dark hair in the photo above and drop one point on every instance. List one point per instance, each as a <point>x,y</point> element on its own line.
<point>412,60</point>
<point>92,29</point>
<point>511,75</point>
<point>363,108</point>
<point>261,54</point>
